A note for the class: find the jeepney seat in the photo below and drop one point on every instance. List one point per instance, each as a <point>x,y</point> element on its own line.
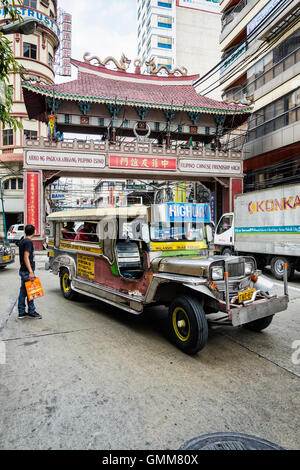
<point>129,259</point>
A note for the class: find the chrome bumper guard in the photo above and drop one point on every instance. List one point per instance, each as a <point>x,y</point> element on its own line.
<point>258,309</point>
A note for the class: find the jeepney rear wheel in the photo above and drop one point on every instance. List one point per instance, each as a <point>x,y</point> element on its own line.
<point>260,324</point>
<point>65,285</point>
<point>188,324</point>
<point>3,267</point>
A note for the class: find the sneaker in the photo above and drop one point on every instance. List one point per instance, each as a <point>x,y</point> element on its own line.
<point>34,315</point>
<point>22,315</point>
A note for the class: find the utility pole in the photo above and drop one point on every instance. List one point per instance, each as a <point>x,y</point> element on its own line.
<point>3,211</point>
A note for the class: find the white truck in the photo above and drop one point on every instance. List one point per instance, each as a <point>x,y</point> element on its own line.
<point>266,225</point>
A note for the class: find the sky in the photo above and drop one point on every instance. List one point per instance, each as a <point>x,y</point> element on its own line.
<point>103,27</point>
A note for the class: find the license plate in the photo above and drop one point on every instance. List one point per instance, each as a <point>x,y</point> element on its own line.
<point>6,258</point>
<point>246,295</point>
<point>51,254</point>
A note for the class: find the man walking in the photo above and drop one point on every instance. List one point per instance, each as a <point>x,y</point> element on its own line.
<point>27,268</point>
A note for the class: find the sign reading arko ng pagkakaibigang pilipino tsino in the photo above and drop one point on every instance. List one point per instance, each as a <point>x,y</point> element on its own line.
<point>43,159</point>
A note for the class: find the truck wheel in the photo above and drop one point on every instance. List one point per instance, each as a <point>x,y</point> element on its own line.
<point>65,285</point>
<point>227,252</point>
<point>277,267</point>
<point>188,324</point>
<point>260,324</point>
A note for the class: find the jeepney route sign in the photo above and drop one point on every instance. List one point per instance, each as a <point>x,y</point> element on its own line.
<point>39,159</point>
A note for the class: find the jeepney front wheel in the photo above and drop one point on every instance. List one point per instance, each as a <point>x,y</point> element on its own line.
<point>188,324</point>
<point>260,324</point>
<point>65,285</point>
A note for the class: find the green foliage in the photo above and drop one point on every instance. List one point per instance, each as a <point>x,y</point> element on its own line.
<point>8,64</point>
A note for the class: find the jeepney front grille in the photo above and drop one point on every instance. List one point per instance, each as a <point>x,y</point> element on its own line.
<point>236,269</point>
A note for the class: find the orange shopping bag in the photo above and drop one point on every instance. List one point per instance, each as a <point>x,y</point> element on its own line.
<point>34,289</point>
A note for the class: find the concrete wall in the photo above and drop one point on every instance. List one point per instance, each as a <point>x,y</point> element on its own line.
<point>197,43</point>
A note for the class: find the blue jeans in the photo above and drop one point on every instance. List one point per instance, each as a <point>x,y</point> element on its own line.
<point>23,295</point>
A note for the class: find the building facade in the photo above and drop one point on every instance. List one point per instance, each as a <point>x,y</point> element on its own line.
<point>260,41</point>
<point>35,53</point>
<point>182,33</point>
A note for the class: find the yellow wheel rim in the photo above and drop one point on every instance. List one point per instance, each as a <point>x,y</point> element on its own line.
<point>66,283</point>
<point>181,324</point>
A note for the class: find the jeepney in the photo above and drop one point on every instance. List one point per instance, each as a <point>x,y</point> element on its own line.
<point>7,255</point>
<point>134,257</point>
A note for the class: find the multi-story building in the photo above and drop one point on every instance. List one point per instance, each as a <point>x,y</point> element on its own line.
<point>35,53</point>
<point>180,33</point>
<point>260,41</point>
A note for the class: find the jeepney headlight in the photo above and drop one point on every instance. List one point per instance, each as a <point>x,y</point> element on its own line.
<point>7,250</point>
<point>217,273</point>
<point>249,268</point>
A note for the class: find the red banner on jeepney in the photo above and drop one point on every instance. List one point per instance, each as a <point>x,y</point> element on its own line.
<point>33,200</point>
<point>143,163</point>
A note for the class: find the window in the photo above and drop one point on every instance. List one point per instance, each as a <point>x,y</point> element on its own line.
<point>167,61</point>
<point>50,60</point>
<point>8,137</point>
<point>164,22</point>
<point>29,50</point>
<point>274,116</point>
<point>67,119</point>
<point>30,135</point>
<point>30,3</point>
<point>164,42</point>
<point>20,186</point>
<point>165,3</point>
<point>13,183</point>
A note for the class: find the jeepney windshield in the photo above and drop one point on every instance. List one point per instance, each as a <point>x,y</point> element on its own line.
<point>174,231</point>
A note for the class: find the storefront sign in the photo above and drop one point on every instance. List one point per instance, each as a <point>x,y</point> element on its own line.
<point>56,196</point>
<point>212,167</point>
<point>64,52</point>
<point>177,212</point>
<point>33,200</point>
<point>66,160</point>
<point>143,163</point>
<point>263,14</point>
<point>212,6</point>
<point>36,15</point>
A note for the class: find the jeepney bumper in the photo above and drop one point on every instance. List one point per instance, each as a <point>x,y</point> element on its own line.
<point>258,309</point>
<point>7,259</point>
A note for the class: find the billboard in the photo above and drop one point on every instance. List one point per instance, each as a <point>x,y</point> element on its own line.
<point>212,6</point>
<point>63,55</point>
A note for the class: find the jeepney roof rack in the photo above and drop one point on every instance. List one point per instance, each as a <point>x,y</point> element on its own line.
<point>94,214</point>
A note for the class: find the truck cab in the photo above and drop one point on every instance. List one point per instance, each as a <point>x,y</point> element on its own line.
<point>224,235</point>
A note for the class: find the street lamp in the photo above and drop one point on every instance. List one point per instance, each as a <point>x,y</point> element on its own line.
<point>27,26</point>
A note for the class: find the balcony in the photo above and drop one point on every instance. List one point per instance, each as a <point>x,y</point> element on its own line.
<point>236,18</point>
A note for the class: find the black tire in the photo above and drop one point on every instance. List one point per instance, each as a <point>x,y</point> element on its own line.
<point>277,267</point>
<point>3,267</point>
<point>227,252</point>
<point>192,336</point>
<point>260,324</point>
<point>65,285</point>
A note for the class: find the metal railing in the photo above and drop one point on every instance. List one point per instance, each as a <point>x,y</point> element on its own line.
<point>227,18</point>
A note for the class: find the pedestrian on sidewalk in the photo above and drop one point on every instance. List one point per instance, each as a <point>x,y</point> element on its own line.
<point>27,268</point>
